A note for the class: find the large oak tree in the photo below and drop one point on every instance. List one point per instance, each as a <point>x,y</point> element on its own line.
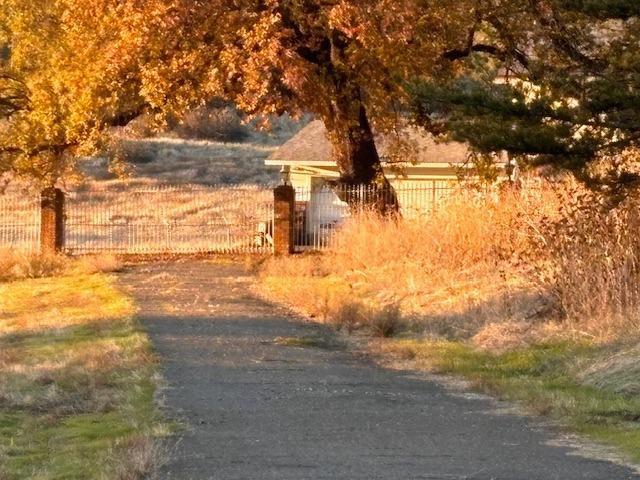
<point>346,61</point>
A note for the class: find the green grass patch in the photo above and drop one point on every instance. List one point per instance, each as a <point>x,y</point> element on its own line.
<point>546,379</point>
<point>76,382</point>
<point>309,341</point>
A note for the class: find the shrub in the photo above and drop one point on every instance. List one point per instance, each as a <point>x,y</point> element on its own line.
<point>15,265</point>
<point>593,262</point>
<point>220,123</point>
<point>386,322</point>
<point>349,315</point>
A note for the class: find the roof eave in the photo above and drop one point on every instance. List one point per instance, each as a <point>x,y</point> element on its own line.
<point>292,163</point>
<point>311,163</point>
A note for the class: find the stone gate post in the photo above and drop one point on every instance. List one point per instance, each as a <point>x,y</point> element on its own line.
<point>51,221</point>
<point>284,210</point>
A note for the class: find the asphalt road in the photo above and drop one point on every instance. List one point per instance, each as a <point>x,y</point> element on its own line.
<point>255,408</point>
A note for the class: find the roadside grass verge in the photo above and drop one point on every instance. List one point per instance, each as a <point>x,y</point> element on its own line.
<point>551,379</point>
<point>77,381</point>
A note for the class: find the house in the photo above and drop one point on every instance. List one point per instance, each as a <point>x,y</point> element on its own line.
<point>308,155</point>
<point>420,182</point>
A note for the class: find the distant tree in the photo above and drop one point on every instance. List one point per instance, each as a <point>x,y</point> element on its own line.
<point>551,82</point>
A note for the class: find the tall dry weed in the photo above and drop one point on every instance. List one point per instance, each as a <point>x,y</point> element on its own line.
<point>450,272</point>
<point>593,262</point>
<point>139,457</point>
<point>503,266</point>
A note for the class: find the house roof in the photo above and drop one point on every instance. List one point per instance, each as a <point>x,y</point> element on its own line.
<point>312,148</point>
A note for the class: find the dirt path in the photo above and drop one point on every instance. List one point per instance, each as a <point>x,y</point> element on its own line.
<point>257,407</point>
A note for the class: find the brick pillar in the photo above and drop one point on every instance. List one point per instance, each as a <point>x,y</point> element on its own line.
<point>284,210</point>
<point>51,221</point>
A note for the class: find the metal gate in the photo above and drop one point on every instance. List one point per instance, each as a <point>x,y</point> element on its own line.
<point>166,219</point>
<point>19,219</point>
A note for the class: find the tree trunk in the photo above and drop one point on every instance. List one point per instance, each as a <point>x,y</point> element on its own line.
<point>357,156</point>
<point>352,138</point>
<point>355,149</point>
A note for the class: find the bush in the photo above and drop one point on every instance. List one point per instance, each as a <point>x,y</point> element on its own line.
<point>219,123</point>
<point>138,152</point>
<point>386,322</point>
<point>593,262</point>
<point>19,265</point>
<point>349,315</point>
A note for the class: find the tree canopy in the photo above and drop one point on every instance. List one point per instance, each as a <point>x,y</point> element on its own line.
<point>550,81</point>
<point>59,89</point>
<point>346,61</point>
<point>567,92</point>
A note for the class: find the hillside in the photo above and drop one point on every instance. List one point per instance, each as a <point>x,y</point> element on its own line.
<point>171,160</point>
<point>173,157</point>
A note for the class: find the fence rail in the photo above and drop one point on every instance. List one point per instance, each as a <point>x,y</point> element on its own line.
<point>170,219</point>
<point>320,212</point>
<point>20,219</point>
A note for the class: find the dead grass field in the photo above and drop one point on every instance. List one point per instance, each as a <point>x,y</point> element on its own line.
<point>175,160</point>
<point>77,377</point>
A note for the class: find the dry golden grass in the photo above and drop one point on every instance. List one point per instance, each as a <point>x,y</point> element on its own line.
<point>32,305</point>
<point>593,264</point>
<point>18,264</point>
<point>136,457</point>
<point>510,267</point>
<point>448,274</point>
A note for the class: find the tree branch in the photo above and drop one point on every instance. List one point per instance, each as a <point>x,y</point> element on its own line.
<point>497,52</point>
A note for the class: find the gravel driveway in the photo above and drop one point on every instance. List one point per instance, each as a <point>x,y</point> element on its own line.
<point>266,395</point>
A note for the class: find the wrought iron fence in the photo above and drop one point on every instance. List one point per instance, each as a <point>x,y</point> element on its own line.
<point>124,218</point>
<point>169,219</point>
<point>320,212</point>
<point>19,219</point>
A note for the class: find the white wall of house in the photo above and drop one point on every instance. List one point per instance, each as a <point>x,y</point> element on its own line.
<point>325,210</point>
